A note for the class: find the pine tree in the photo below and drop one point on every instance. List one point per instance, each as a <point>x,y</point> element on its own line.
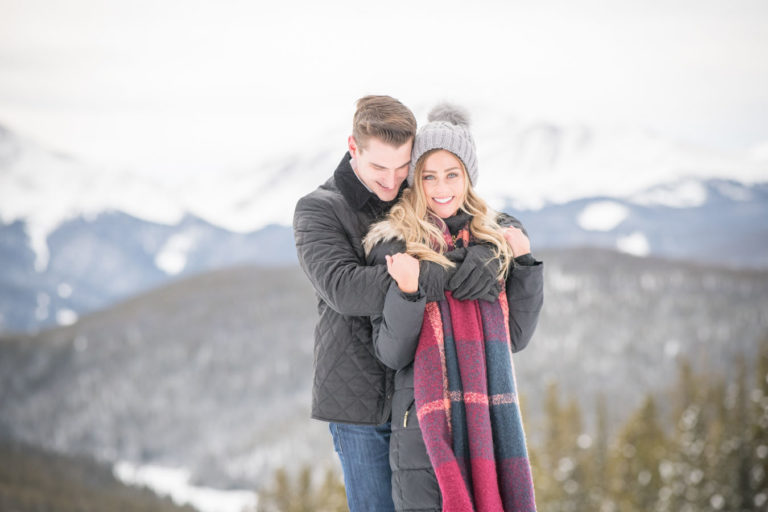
<point>720,412</point>
<point>300,495</point>
<point>332,493</point>
<point>683,473</point>
<point>600,498</point>
<point>578,459</point>
<point>758,400</point>
<point>549,493</point>
<point>562,466</point>
<point>730,469</point>
<point>641,446</point>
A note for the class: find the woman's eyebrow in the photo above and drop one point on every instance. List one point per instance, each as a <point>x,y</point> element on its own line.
<point>444,170</point>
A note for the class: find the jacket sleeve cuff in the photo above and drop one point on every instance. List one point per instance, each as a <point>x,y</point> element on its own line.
<point>411,297</point>
<point>526,260</point>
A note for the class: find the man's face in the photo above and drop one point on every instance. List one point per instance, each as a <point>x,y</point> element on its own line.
<point>382,167</point>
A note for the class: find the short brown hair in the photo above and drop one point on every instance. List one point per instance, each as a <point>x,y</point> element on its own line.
<point>385,118</point>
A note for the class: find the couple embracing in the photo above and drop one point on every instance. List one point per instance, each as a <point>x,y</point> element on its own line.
<point>424,293</point>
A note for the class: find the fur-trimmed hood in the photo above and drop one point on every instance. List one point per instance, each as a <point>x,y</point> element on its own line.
<point>382,231</point>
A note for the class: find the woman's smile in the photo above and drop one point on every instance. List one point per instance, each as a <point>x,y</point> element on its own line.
<point>444,182</point>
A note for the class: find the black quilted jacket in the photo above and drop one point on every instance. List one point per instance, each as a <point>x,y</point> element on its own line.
<point>350,385</point>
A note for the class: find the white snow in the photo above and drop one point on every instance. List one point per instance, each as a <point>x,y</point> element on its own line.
<point>635,243</point>
<point>735,191</point>
<point>66,316</point>
<point>81,343</point>
<point>172,257</point>
<point>64,290</point>
<point>602,216</point>
<point>584,441</point>
<point>671,348</point>
<point>561,281</point>
<point>43,303</point>
<point>174,482</point>
<point>686,193</point>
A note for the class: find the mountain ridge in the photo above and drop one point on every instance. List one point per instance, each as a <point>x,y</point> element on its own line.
<point>44,189</point>
<point>97,261</point>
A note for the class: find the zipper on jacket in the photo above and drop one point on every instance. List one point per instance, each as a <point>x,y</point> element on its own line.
<point>405,417</point>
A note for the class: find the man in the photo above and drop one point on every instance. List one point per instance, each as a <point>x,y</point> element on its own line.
<point>351,389</point>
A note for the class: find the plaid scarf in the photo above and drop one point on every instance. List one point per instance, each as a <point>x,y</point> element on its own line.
<point>467,404</point>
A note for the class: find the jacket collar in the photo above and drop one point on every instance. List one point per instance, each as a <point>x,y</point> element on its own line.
<point>355,192</point>
<point>458,221</point>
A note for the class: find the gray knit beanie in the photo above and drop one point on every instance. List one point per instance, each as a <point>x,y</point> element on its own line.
<point>448,128</point>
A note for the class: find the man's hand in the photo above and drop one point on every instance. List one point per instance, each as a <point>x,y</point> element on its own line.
<point>517,241</point>
<point>404,269</point>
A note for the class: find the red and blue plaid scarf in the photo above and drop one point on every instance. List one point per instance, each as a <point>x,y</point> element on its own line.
<point>467,404</point>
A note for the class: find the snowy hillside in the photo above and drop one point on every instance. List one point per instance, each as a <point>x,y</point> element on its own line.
<point>525,165</point>
<point>45,189</point>
<point>213,373</point>
<point>534,162</point>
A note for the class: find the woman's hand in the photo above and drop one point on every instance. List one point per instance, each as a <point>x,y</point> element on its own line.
<point>517,241</point>
<point>404,269</point>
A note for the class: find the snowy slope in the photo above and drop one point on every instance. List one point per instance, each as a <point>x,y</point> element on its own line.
<point>524,164</point>
<point>536,162</point>
<point>45,189</point>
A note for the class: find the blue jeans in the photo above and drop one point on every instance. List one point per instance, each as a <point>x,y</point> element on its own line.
<point>364,454</point>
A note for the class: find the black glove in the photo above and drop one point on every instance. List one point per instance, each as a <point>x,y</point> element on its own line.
<point>477,276</point>
<point>457,255</point>
<point>506,221</point>
<point>378,253</point>
<point>433,278</point>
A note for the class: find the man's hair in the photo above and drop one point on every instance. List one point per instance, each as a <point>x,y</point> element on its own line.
<point>384,118</point>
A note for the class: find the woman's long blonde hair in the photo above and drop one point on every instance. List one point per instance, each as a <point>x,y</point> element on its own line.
<point>410,220</point>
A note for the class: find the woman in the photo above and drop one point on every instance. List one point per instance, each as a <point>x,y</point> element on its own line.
<point>457,440</point>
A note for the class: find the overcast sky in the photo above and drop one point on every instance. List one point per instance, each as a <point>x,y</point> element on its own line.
<point>181,86</point>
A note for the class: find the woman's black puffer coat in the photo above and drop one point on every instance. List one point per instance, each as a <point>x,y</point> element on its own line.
<point>395,337</point>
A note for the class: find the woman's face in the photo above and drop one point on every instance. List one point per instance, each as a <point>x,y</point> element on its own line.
<point>442,182</point>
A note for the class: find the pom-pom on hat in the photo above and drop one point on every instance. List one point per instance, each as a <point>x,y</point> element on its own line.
<point>448,128</point>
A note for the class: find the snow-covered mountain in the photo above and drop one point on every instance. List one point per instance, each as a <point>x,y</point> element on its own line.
<point>535,163</point>
<point>715,221</point>
<point>74,238</point>
<point>525,165</point>
<point>43,190</point>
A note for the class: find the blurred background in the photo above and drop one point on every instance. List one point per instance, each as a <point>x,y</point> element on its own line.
<point>156,338</point>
